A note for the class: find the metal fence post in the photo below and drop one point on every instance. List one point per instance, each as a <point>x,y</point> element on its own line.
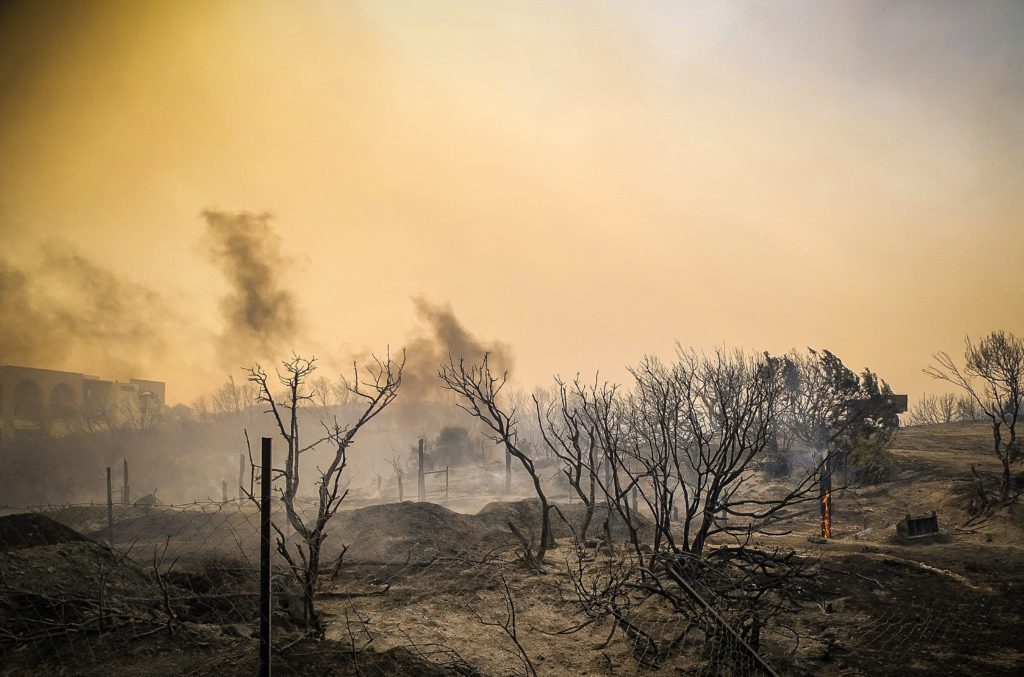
<point>421,485</point>
<point>241,477</point>
<point>265,479</point>
<point>110,509</point>
<point>508,472</point>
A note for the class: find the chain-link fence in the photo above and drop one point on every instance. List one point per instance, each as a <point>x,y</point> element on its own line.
<point>413,588</point>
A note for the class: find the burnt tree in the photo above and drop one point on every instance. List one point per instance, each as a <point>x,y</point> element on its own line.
<point>571,436</point>
<point>688,437</point>
<point>375,386</point>
<point>993,378</point>
<point>479,393</point>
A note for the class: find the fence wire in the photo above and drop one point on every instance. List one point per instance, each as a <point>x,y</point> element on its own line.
<point>404,589</point>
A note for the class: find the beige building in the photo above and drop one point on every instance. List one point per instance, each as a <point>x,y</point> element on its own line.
<point>44,398</point>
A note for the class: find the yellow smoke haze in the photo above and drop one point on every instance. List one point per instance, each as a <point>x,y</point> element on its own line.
<point>582,182</point>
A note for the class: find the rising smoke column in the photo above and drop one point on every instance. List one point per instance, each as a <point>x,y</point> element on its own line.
<point>445,335</point>
<point>259,312</point>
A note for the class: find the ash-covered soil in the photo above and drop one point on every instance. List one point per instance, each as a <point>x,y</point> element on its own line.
<point>420,587</point>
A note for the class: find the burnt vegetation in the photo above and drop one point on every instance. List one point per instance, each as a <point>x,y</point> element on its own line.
<point>719,512</point>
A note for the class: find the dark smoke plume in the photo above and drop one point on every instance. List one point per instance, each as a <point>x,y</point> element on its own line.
<point>445,336</point>
<point>260,313</point>
<point>63,311</point>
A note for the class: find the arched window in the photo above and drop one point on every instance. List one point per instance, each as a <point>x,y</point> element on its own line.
<point>62,401</point>
<point>28,401</point>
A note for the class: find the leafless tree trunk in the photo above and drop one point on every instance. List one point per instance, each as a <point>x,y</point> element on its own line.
<point>697,427</point>
<point>937,409</point>
<point>687,436</point>
<point>571,437</point>
<point>375,392</point>
<point>993,378</point>
<point>479,391</point>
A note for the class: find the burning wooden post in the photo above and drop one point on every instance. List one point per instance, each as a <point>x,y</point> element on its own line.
<point>825,505</point>
<point>856,409</point>
<point>825,501</point>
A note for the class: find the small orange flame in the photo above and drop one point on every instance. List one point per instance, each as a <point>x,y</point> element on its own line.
<point>826,519</point>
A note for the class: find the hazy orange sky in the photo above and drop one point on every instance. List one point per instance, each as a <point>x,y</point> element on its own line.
<point>585,181</point>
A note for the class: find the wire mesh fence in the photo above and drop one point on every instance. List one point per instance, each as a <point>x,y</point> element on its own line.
<point>404,589</point>
<point>77,592</point>
<point>84,588</point>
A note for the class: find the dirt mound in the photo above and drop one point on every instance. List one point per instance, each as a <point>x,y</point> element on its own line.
<point>526,515</point>
<point>401,531</point>
<point>74,570</point>
<point>31,530</point>
<point>398,532</point>
<point>72,587</point>
<point>408,519</point>
<point>519,512</point>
